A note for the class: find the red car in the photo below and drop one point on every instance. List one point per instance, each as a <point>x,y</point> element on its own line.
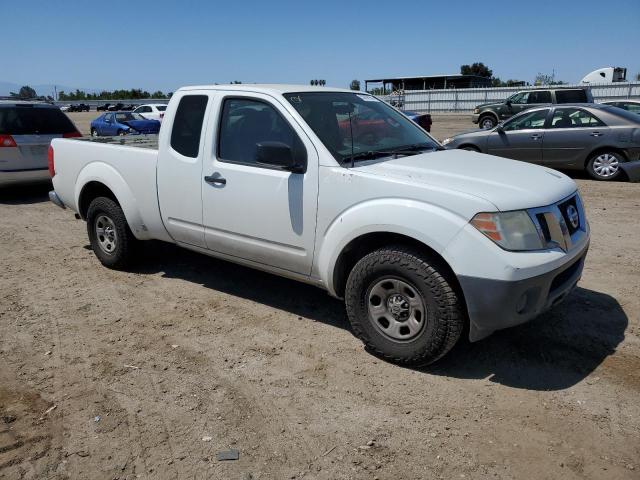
<point>368,127</point>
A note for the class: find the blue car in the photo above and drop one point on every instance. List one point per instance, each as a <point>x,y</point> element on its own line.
<point>123,123</point>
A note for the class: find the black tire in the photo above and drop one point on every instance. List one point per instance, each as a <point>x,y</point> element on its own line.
<point>120,133</point>
<point>487,122</point>
<point>106,215</point>
<point>94,132</point>
<point>595,165</point>
<point>442,323</point>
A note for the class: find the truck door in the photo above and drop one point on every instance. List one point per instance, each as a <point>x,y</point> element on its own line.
<point>514,105</point>
<point>520,138</point>
<point>179,174</point>
<point>252,211</point>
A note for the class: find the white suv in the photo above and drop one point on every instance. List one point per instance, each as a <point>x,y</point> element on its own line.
<point>152,111</point>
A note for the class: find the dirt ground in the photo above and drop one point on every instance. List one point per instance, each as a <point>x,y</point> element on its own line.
<point>149,373</point>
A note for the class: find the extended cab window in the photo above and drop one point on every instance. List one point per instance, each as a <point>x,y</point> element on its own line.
<point>187,125</point>
<point>571,96</point>
<point>245,123</point>
<point>531,120</point>
<point>574,118</point>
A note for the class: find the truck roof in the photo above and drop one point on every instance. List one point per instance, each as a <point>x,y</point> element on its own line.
<point>272,89</point>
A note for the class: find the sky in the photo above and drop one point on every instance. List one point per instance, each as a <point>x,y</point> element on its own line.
<point>162,45</point>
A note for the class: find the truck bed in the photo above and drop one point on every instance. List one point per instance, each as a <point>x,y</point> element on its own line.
<point>125,165</point>
<point>137,141</point>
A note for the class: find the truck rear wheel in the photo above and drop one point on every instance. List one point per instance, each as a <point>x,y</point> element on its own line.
<point>402,306</point>
<point>109,234</point>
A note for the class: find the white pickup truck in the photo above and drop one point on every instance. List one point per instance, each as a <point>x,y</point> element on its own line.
<point>337,189</point>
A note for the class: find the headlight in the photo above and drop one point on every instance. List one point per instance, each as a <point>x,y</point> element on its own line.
<point>476,110</point>
<point>447,140</point>
<point>510,230</point>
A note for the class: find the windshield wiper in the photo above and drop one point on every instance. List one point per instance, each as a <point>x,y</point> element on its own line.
<point>405,150</point>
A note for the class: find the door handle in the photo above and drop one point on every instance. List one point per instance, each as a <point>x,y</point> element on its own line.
<point>216,180</point>
<point>535,136</point>
<point>596,134</point>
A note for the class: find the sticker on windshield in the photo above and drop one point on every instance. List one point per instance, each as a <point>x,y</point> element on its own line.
<point>368,98</point>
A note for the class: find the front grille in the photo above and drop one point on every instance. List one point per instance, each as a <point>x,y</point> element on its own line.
<point>561,224</point>
<point>564,210</point>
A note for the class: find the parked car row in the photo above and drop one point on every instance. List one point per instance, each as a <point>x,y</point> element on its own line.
<point>76,108</point>
<point>488,115</point>
<point>154,111</point>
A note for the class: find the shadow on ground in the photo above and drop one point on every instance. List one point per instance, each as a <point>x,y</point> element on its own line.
<point>25,194</point>
<point>553,352</point>
<point>277,292</point>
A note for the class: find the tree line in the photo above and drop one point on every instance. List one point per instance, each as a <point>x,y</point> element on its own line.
<point>132,94</point>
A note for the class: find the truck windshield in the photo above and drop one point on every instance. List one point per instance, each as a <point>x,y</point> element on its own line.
<point>359,127</point>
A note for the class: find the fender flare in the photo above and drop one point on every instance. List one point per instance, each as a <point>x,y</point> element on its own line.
<point>490,113</point>
<point>105,174</point>
<point>387,215</point>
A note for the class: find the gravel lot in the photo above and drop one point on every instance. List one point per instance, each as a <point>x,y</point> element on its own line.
<point>150,373</point>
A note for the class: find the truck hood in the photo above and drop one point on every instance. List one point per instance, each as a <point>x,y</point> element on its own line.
<point>507,184</point>
<point>490,104</point>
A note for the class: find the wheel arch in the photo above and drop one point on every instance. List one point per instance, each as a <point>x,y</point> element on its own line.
<point>602,149</point>
<point>99,179</point>
<point>364,244</point>
<point>90,191</point>
<point>368,225</point>
<point>489,113</point>
<point>467,145</point>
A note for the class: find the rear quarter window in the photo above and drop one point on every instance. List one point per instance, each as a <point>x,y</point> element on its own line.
<point>187,125</point>
<point>34,120</point>
<point>161,108</point>
<point>571,96</point>
<point>626,114</point>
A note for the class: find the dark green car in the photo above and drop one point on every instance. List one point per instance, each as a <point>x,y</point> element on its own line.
<point>488,115</point>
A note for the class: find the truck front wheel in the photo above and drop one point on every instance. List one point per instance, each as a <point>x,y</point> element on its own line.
<point>110,236</point>
<point>487,122</point>
<point>401,305</point>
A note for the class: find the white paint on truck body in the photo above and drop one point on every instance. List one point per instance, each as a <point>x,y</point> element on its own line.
<point>297,225</point>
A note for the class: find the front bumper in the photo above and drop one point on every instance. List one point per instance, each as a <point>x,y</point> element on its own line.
<point>475,117</point>
<point>496,304</point>
<point>632,170</point>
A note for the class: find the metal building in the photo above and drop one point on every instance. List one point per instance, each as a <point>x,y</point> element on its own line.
<point>430,82</point>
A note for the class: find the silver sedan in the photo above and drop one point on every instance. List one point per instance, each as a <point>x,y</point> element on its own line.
<point>601,139</point>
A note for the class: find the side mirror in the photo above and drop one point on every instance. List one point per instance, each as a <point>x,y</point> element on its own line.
<point>508,102</point>
<point>282,156</point>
